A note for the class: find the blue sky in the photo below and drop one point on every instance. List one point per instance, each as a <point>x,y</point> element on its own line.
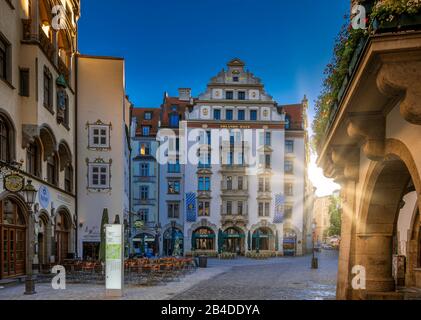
<point>169,44</point>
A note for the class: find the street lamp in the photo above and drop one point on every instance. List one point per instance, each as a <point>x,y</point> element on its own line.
<point>157,235</point>
<point>30,193</point>
<point>314,260</point>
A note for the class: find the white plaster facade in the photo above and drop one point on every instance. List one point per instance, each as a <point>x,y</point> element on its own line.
<point>102,102</point>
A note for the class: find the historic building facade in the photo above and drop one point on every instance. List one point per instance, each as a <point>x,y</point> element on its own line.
<point>172,181</point>
<point>144,180</point>
<point>252,204</point>
<point>64,125</point>
<point>372,148</point>
<point>37,128</point>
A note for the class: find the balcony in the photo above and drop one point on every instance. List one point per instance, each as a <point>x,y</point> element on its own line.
<point>387,18</point>
<point>46,46</point>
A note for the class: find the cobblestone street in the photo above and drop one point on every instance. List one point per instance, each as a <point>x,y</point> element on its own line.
<point>278,279</point>
<point>273,279</point>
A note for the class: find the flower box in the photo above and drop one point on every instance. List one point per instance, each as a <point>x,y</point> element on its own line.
<point>408,21</point>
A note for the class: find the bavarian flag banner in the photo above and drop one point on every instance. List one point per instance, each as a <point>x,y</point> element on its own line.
<point>279,208</point>
<point>191,207</point>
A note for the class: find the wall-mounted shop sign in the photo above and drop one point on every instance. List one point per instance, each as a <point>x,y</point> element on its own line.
<point>114,270</point>
<point>14,182</point>
<point>44,197</point>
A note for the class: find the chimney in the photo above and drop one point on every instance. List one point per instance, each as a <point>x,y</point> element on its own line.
<point>184,94</point>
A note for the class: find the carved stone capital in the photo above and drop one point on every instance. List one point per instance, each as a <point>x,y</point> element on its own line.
<point>369,130</point>
<point>346,160</point>
<point>403,78</point>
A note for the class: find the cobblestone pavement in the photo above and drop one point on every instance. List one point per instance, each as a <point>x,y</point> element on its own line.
<point>280,278</point>
<point>283,279</point>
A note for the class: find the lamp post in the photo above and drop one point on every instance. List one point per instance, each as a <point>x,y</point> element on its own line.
<point>314,260</point>
<point>30,193</point>
<point>157,235</point>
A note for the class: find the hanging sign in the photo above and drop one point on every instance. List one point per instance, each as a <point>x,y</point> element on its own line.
<point>114,270</point>
<point>14,183</point>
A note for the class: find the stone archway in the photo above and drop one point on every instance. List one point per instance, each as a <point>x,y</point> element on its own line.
<point>381,200</point>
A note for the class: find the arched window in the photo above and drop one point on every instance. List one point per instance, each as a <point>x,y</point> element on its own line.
<point>68,178</point>
<point>52,169</point>
<point>33,159</point>
<point>5,140</point>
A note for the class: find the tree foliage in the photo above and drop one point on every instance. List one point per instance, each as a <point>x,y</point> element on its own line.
<point>335,212</point>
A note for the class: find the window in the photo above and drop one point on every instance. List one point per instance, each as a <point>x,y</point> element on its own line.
<point>268,138</point>
<point>99,176</point>
<point>174,187</point>
<point>99,136</point>
<point>4,60</point>
<point>253,115</point>
<point>264,209</point>
<point>229,183</point>
<point>148,116</point>
<point>241,95</point>
<point>229,95</point>
<point>267,209</point>
<point>229,208</point>
<point>261,209</point>
<point>174,166</point>
<point>235,79</point>
<point>261,185</point>
<point>144,169</point>
<point>288,211</point>
<point>204,184</point>
<point>229,114</point>
<point>68,179</point>
<point>146,131</point>
<point>287,122</point>
<point>264,184</point>
<point>241,115</point>
<point>217,114</point>
<point>145,149</point>
<point>289,146</point>
<point>144,215</point>
<point>267,161</point>
<point>289,189</point>
<point>33,159</point>
<point>24,82</point>
<point>205,160</point>
<point>289,167</point>
<point>5,140</point>
<point>240,183</point>
<point>144,193</point>
<point>240,208</point>
<point>52,170</point>
<point>204,209</point>
<point>267,184</point>
<point>174,120</point>
<point>48,89</point>
<point>173,210</point>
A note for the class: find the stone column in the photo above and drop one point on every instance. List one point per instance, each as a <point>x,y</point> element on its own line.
<point>374,252</point>
<point>347,246</point>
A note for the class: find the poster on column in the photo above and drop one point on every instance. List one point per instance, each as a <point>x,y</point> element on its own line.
<point>114,259</point>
